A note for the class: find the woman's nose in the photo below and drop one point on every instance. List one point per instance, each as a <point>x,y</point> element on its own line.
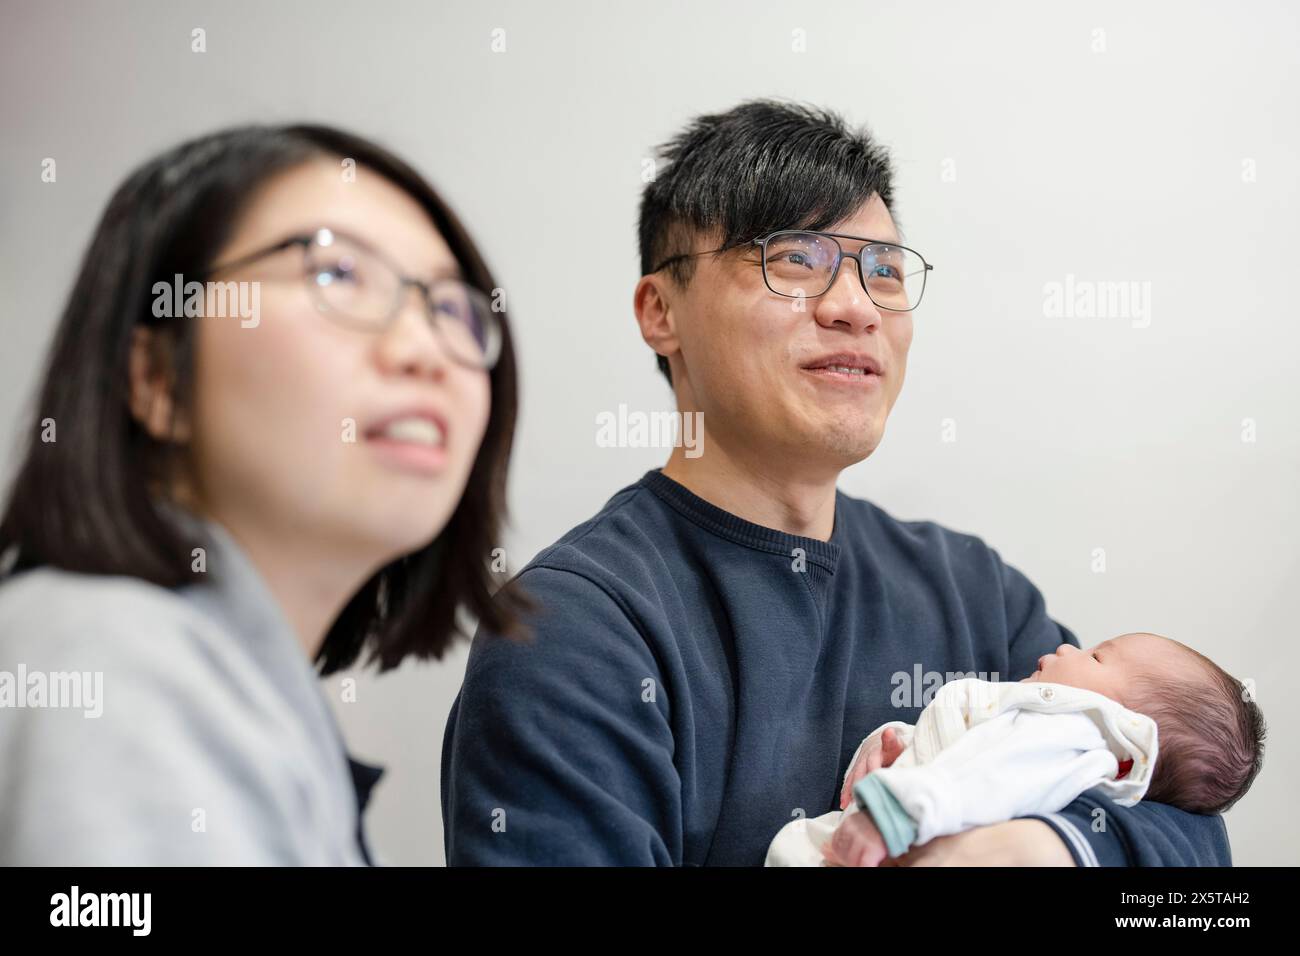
<point>410,344</point>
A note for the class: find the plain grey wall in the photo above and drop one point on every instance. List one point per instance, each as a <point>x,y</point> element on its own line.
<point>1157,146</point>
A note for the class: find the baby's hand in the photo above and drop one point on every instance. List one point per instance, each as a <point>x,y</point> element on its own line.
<point>855,842</point>
<point>880,753</point>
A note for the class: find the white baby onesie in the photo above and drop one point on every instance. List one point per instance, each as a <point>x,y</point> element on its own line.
<point>984,752</point>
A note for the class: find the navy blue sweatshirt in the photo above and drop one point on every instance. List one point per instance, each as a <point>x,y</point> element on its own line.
<point>695,681</point>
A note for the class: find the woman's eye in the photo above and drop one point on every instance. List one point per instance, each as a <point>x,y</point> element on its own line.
<point>332,275</point>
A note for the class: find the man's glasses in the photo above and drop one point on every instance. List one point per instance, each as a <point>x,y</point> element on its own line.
<point>356,285</point>
<point>801,264</point>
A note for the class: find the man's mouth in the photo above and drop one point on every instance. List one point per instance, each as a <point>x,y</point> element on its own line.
<point>849,367</point>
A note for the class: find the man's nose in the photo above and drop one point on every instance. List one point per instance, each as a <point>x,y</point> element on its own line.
<point>846,302</point>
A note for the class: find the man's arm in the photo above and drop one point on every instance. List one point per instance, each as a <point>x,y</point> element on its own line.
<point>558,751</point>
<point>1099,832</point>
<point>1030,632</point>
<point>1096,830</point>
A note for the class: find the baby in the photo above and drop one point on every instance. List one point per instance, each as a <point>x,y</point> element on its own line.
<point>985,752</point>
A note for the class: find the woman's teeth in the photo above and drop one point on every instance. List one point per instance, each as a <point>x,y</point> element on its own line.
<point>421,431</point>
<point>845,368</point>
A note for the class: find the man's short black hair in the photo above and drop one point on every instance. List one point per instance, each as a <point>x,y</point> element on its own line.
<point>760,166</point>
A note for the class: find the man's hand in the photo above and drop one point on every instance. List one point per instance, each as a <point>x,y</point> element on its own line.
<point>855,842</point>
<point>1014,843</point>
<point>880,753</point>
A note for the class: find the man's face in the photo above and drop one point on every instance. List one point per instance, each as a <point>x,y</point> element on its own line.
<point>758,365</point>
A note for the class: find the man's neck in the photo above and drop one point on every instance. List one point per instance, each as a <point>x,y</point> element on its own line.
<point>786,501</point>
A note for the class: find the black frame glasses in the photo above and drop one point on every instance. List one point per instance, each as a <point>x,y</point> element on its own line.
<point>436,296</point>
<point>840,256</point>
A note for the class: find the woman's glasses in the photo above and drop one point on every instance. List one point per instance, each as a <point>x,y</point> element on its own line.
<point>356,285</point>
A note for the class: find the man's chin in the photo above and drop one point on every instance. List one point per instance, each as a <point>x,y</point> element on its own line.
<point>852,446</point>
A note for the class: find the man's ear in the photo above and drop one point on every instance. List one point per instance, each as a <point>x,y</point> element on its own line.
<point>654,315</point>
<point>151,386</point>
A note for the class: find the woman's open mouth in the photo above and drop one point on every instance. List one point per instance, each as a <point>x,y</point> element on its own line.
<point>412,443</point>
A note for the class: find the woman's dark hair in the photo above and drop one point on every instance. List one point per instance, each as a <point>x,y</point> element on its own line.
<point>761,166</point>
<point>85,502</point>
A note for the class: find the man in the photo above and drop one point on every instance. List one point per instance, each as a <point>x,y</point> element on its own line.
<point>712,646</point>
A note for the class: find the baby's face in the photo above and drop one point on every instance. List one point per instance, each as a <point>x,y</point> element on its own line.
<point>1109,668</point>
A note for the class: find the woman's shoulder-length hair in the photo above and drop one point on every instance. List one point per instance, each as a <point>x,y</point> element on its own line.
<point>85,502</point>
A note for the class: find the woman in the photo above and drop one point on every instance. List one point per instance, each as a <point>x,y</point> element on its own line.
<point>274,430</point>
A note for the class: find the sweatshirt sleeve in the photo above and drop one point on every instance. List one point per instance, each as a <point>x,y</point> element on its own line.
<point>1096,830</point>
<point>1031,632</point>
<point>558,751</point>
<point>1100,832</point>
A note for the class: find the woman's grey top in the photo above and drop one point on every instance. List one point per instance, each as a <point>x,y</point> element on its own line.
<point>141,725</point>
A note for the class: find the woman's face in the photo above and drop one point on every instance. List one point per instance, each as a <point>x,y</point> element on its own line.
<point>304,427</point>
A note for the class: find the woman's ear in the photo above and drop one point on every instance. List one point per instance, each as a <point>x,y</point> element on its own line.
<point>151,387</point>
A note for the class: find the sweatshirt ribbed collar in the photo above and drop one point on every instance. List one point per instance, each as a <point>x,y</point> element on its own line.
<point>724,524</point>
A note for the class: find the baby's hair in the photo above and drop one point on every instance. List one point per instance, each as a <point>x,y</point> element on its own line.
<point>1211,736</point>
